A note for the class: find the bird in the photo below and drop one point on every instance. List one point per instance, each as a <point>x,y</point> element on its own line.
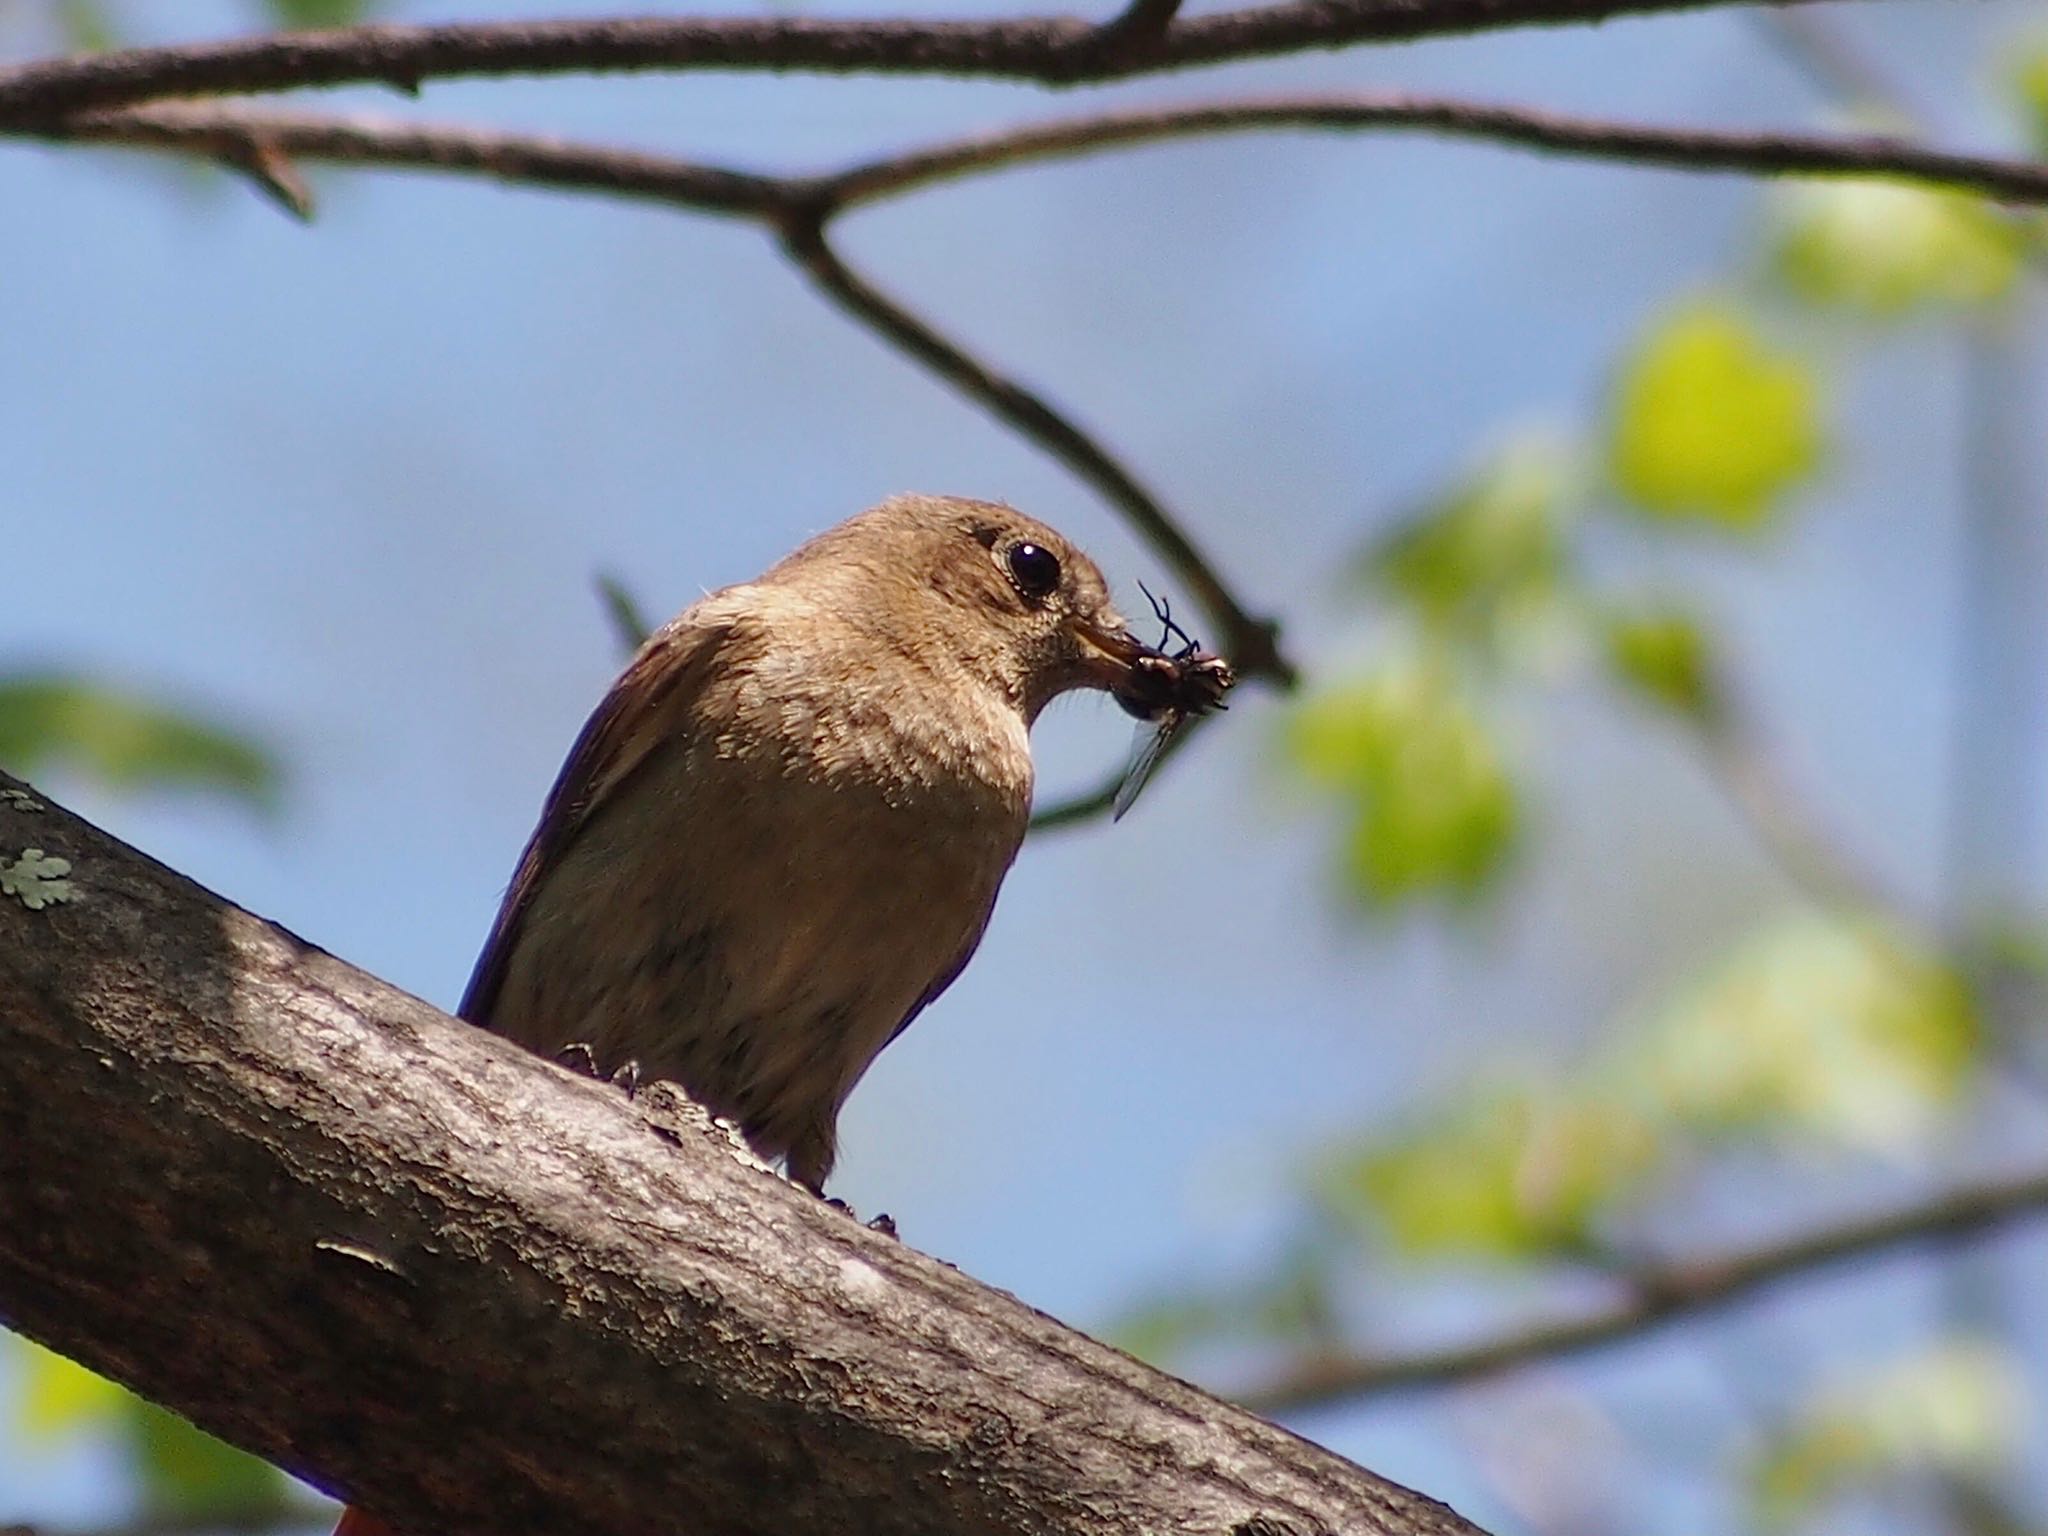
<point>782,832</point>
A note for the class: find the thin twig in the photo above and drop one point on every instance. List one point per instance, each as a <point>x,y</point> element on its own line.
<point>1682,149</point>
<point>1659,1295</point>
<point>1053,50</point>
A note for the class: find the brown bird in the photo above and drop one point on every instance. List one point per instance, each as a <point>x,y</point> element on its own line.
<point>781,834</point>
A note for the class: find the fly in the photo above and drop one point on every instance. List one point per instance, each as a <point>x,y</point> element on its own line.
<point>1166,691</point>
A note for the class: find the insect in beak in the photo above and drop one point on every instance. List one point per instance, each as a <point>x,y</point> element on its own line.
<point>1165,689</point>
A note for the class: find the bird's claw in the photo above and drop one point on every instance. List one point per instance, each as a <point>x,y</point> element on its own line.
<point>579,1057</point>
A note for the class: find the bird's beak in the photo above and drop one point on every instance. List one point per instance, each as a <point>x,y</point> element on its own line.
<point>1118,662</point>
<point>1109,652</point>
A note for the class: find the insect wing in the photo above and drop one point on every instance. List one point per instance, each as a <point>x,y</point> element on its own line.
<point>1146,750</point>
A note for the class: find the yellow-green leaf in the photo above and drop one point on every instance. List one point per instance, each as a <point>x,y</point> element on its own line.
<point>1427,799</point>
<point>1710,422</point>
<point>1488,559</point>
<point>1510,1173</point>
<point>1887,247</point>
<point>59,1397</point>
<point>1959,1408</point>
<point>1838,1027</point>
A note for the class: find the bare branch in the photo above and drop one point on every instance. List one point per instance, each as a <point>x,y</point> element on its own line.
<point>1054,50</point>
<point>1657,1296</point>
<point>477,1293</point>
<point>539,161</point>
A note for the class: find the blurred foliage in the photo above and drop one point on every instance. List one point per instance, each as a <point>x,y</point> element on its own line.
<point>1661,653</point>
<point>1428,803</point>
<point>1504,1171</point>
<point>1485,567</point>
<point>1710,423</point>
<point>1959,1408</point>
<point>53,722</point>
<point>319,13</point>
<point>2028,75</point>
<point>185,1476</point>
<point>84,26</point>
<point>87,26</point>
<point>1291,1302</point>
<point>1888,248</point>
<point>1826,1029</point>
<point>1838,1028</point>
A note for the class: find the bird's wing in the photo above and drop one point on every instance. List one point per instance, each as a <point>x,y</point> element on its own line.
<point>642,711</point>
<point>947,976</point>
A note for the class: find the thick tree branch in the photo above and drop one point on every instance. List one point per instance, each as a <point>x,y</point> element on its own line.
<point>1656,1296</point>
<point>1053,50</point>
<point>478,1294</point>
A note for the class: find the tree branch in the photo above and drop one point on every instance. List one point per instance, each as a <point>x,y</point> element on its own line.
<point>1052,50</point>
<point>475,1293</point>
<point>1659,1295</point>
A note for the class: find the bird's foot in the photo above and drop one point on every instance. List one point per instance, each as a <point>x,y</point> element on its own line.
<point>884,1224</point>
<point>579,1057</point>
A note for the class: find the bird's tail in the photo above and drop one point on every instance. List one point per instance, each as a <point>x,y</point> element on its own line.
<point>354,1522</point>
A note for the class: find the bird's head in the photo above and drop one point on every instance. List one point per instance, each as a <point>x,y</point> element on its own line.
<point>977,585</point>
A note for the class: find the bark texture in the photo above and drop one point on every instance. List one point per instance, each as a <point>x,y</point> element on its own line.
<point>470,1291</point>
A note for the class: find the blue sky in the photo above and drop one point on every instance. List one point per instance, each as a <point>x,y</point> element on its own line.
<point>348,485</point>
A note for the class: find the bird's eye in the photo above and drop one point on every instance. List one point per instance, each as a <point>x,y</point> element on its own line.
<point>1035,569</point>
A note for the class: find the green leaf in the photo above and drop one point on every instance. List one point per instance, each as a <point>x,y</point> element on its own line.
<point>1489,558</point>
<point>1838,1027</point>
<point>128,742</point>
<point>1885,248</point>
<point>1662,654</point>
<point>1429,806</point>
<point>318,13</point>
<point>1510,1173</point>
<point>1957,1409</point>
<point>189,1477</point>
<point>60,1397</point>
<point>1711,424</point>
